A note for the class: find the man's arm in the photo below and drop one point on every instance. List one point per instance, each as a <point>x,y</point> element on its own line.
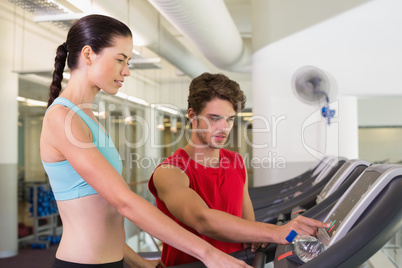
<point>248,213</point>
<point>248,210</point>
<point>187,206</point>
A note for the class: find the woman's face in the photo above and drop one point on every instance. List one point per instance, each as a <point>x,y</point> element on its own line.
<point>110,66</point>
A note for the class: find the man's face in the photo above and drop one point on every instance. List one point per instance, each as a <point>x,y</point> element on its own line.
<point>214,123</point>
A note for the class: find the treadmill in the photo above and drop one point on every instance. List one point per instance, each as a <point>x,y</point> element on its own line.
<point>289,209</point>
<point>256,192</point>
<point>332,191</point>
<point>262,205</point>
<point>362,221</point>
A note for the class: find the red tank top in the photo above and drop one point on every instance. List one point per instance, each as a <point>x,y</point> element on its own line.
<point>221,188</point>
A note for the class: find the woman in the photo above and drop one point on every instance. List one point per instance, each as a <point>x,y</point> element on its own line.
<point>85,171</point>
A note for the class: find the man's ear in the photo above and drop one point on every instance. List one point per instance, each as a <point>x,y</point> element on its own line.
<point>191,115</point>
<point>87,54</point>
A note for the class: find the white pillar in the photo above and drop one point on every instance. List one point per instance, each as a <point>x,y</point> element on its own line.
<point>348,127</point>
<point>9,148</point>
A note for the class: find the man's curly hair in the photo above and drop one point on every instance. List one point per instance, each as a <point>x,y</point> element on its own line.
<point>208,86</point>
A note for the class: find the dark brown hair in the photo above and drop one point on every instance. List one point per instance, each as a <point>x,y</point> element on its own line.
<point>206,87</point>
<point>96,31</point>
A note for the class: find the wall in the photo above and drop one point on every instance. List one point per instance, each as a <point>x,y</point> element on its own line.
<point>381,111</point>
<point>8,141</point>
<point>359,48</point>
<point>380,129</point>
<point>381,144</point>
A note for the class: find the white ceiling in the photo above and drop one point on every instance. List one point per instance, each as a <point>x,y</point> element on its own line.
<point>283,18</point>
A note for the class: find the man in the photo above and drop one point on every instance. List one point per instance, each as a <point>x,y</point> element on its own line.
<point>204,187</point>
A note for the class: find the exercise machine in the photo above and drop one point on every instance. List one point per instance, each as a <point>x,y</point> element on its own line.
<point>361,222</point>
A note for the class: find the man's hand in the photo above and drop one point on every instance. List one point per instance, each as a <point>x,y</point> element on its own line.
<point>301,225</point>
<point>254,246</point>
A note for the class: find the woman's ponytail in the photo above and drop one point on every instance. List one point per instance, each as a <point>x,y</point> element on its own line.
<point>59,64</point>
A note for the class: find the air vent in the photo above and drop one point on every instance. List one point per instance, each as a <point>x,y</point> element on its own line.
<point>144,63</point>
<point>60,13</point>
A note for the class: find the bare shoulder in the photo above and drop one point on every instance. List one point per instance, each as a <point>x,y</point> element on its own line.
<point>63,118</point>
<point>59,116</point>
<point>61,128</point>
<point>173,188</point>
<point>168,176</point>
<point>55,112</point>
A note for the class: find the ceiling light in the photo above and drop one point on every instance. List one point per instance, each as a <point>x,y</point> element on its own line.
<point>102,110</point>
<point>121,95</point>
<point>137,100</point>
<point>159,122</point>
<point>59,17</point>
<point>245,114</point>
<point>173,126</point>
<point>31,102</point>
<point>131,98</point>
<point>127,116</point>
<point>166,109</point>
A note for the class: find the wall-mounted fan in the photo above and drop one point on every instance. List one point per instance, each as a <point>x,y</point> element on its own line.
<point>313,86</point>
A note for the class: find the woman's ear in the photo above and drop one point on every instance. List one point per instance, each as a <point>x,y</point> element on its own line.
<point>87,54</point>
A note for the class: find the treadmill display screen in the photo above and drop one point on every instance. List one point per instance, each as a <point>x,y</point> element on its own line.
<point>334,180</point>
<point>340,213</point>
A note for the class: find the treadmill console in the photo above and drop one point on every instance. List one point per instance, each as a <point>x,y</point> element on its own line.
<point>347,210</point>
<point>353,203</point>
<point>339,177</point>
<point>331,164</point>
<point>321,166</point>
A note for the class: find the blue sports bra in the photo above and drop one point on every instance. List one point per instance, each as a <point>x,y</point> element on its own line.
<point>66,183</point>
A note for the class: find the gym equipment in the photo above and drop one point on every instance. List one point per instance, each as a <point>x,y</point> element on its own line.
<point>351,169</point>
<point>277,193</point>
<point>362,221</point>
<point>262,206</point>
<point>257,192</point>
<point>344,177</point>
<point>43,207</point>
<point>259,260</point>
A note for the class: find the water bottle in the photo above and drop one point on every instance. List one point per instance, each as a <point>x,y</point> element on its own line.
<point>306,247</point>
